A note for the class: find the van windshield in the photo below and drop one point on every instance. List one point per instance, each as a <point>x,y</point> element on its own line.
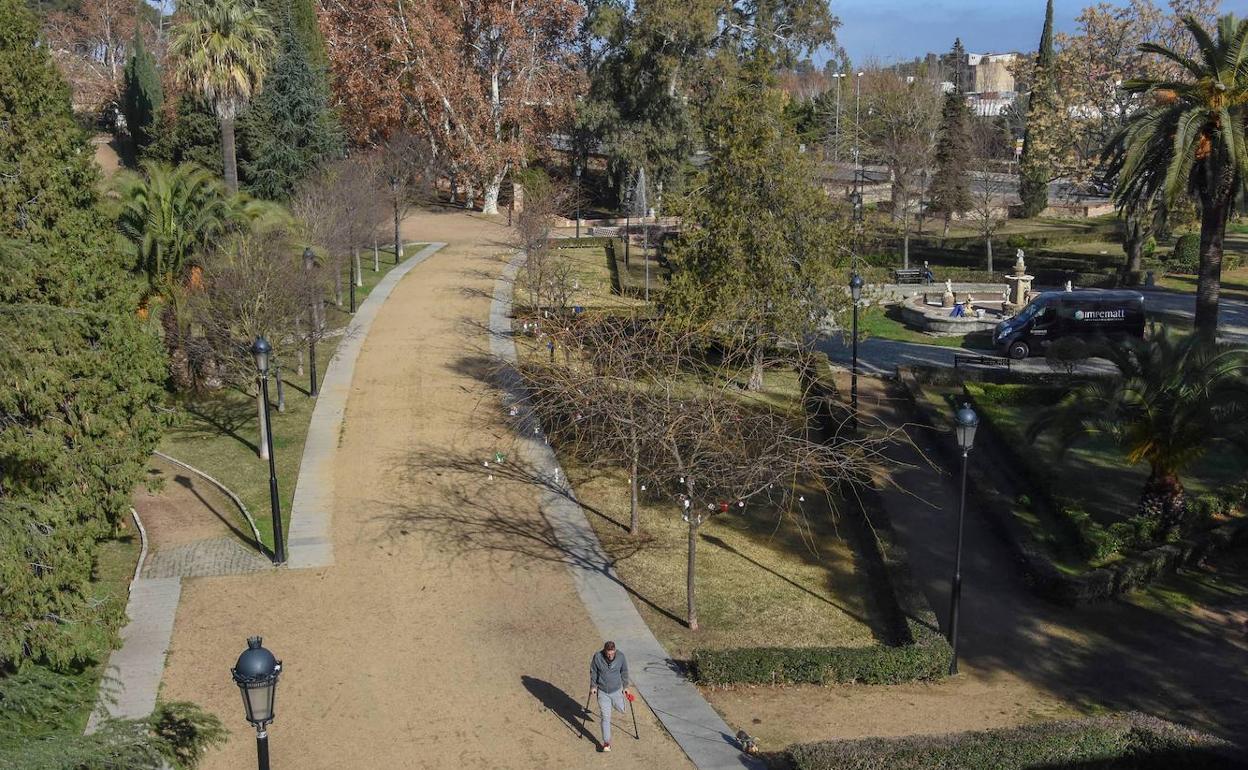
<point>1031,311</point>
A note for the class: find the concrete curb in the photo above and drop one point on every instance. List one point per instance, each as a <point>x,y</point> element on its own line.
<point>309,541</point>
<point>700,732</point>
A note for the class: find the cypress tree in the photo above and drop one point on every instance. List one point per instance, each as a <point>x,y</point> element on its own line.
<point>289,129</point>
<point>81,377</point>
<point>1035,164</point>
<point>142,95</point>
<point>950,190</point>
<point>302,16</point>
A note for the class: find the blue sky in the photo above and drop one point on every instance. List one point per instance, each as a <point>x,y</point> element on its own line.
<point>892,30</point>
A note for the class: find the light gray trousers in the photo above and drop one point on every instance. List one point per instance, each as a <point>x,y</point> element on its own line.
<point>605,701</point>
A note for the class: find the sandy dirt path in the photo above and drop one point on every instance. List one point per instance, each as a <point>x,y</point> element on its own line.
<point>432,642</point>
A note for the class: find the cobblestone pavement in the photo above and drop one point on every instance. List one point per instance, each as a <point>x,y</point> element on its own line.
<point>202,558</point>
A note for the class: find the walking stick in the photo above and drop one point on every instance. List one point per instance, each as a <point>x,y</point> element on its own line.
<point>585,716</point>
<point>633,711</point>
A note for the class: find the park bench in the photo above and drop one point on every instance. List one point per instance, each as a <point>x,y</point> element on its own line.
<point>907,275</point>
<point>989,361</point>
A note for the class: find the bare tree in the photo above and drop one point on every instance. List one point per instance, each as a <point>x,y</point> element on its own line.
<point>990,189</point>
<point>406,169</point>
<point>341,208</point>
<point>669,406</point>
<point>254,285</point>
<point>544,278</point>
<point>901,123</point>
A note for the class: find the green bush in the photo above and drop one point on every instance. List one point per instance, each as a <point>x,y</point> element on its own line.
<point>1186,255</point>
<point>927,658</point>
<point>1129,741</point>
<point>1018,241</point>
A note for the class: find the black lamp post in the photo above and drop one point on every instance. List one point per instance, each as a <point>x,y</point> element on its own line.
<point>261,350</point>
<point>966,423</point>
<point>256,674</point>
<point>352,274</point>
<point>577,173</point>
<point>313,328</point>
<point>855,292</point>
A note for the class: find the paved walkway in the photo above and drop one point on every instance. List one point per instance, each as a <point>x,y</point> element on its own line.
<point>309,543</point>
<point>129,688</point>
<point>447,632</point>
<point>701,733</point>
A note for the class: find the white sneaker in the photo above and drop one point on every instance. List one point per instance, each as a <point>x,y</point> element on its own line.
<point>606,747</point>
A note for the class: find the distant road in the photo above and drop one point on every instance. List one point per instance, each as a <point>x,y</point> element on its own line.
<point>882,356</point>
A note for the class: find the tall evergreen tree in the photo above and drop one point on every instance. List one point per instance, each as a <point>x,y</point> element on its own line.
<point>1035,166</point>
<point>302,20</point>
<point>142,94</point>
<point>760,256</point>
<point>289,129</point>
<point>81,378</point>
<point>188,134</point>
<point>950,190</point>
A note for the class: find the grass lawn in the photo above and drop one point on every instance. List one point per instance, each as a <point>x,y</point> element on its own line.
<point>886,323</point>
<point>218,433</point>
<point>764,578</point>
<point>592,272</point>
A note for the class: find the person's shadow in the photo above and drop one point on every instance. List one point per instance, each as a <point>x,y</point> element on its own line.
<point>562,705</point>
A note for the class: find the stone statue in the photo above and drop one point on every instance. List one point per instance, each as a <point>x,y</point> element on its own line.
<point>949,285</point>
<point>1069,287</point>
<point>1020,267</point>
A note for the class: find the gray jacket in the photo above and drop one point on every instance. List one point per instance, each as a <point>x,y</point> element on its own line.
<point>608,676</point>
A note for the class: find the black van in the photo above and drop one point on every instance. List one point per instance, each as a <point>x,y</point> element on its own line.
<point>1056,314</point>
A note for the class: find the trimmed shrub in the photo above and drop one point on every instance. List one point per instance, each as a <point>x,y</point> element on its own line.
<point>1186,255</point>
<point>927,658</point>
<point>1129,741</point>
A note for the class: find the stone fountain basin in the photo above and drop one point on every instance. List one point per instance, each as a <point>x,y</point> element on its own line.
<point>919,314</point>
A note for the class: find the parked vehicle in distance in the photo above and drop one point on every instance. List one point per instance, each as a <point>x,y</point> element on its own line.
<point>1090,313</point>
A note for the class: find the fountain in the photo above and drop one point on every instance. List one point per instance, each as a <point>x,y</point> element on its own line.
<point>1019,287</point>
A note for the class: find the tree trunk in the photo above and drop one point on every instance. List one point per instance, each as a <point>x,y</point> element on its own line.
<point>690,602</point>
<point>338,287</point>
<point>988,246</point>
<point>228,156</point>
<point>1163,500</point>
<point>376,256</point>
<point>264,424</point>
<point>281,387</point>
<point>756,372</point>
<point>634,518</point>
<point>1213,214</point>
<point>398,240</point>
<point>905,249</point>
<point>470,196</point>
<point>454,185</point>
<point>359,276</point>
<point>945,234</point>
<point>492,189</point>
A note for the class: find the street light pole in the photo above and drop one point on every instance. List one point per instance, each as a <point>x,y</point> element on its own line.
<point>836,146</point>
<point>857,115</point>
<point>577,173</point>
<point>967,421</point>
<point>855,292</point>
<point>314,329</point>
<point>256,674</point>
<point>262,350</point>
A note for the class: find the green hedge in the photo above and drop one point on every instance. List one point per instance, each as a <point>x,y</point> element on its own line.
<point>927,658</point>
<point>1129,741</point>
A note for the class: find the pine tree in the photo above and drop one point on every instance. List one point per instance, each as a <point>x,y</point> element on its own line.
<point>1035,166</point>
<point>760,255</point>
<point>81,378</point>
<point>142,95</point>
<point>950,189</point>
<point>307,31</point>
<point>289,129</point>
<point>188,134</point>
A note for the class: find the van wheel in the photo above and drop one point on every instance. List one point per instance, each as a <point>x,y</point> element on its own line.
<point>1019,350</point>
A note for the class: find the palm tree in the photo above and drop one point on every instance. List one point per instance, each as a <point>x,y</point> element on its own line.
<point>222,51</point>
<point>171,214</point>
<point>1191,139</point>
<point>1176,399</point>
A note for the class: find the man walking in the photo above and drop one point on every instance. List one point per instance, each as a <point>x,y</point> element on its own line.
<point>608,677</point>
